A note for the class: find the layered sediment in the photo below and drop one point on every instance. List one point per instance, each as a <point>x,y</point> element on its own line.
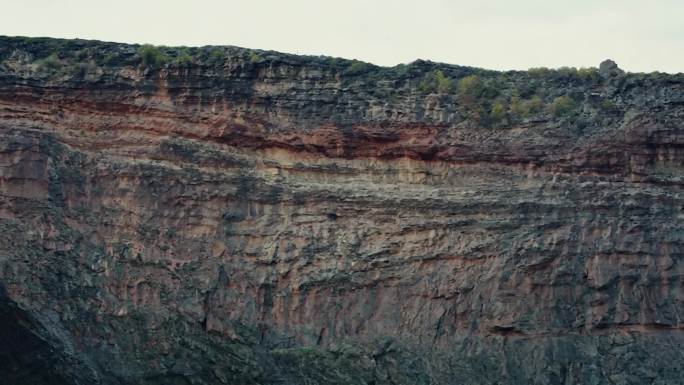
<point>251,217</point>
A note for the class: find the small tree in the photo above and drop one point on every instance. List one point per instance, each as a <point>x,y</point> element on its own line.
<point>435,81</point>
<point>470,87</point>
<point>254,57</point>
<point>498,112</point>
<point>531,106</point>
<point>589,74</point>
<point>357,67</point>
<point>539,72</point>
<point>443,83</point>
<point>50,63</point>
<point>563,105</point>
<point>183,57</point>
<point>215,57</point>
<point>151,56</point>
<point>608,105</point>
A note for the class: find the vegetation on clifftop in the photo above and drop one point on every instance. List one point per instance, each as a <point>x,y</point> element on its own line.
<point>476,97</point>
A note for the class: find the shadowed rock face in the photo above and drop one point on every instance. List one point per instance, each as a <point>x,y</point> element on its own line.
<point>274,219</point>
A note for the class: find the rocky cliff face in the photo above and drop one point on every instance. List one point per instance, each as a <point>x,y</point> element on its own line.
<point>220,215</point>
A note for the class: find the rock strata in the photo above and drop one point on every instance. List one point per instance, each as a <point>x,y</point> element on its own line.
<point>220,215</point>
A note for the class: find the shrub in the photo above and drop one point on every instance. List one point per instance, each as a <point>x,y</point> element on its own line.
<point>215,57</point>
<point>539,71</point>
<point>108,59</point>
<point>527,107</point>
<point>470,87</point>
<point>183,59</point>
<point>533,105</point>
<point>254,57</point>
<point>401,69</point>
<point>435,82</point>
<point>567,71</point>
<point>563,105</point>
<point>51,62</point>
<point>444,84</point>
<point>151,56</point>
<point>590,73</point>
<point>528,89</point>
<point>515,106</point>
<point>356,68</point>
<point>491,88</point>
<point>608,105</point>
<point>81,69</point>
<point>426,86</point>
<point>498,112</point>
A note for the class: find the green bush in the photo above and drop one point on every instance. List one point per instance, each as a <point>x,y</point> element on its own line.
<point>531,106</point>
<point>515,106</point>
<point>588,73</point>
<point>563,105</point>
<point>254,57</point>
<point>426,86</point>
<point>183,59</point>
<point>525,108</point>
<point>107,59</point>
<point>608,105</point>
<point>539,71</point>
<point>470,87</point>
<point>567,71</point>
<point>498,112</point>
<point>50,63</point>
<point>401,69</point>
<point>356,68</point>
<point>435,82</point>
<point>444,84</point>
<point>215,57</point>
<point>151,56</point>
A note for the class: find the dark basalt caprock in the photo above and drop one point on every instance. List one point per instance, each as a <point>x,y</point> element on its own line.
<point>220,215</point>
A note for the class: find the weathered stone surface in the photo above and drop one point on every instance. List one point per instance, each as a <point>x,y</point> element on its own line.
<point>274,219</point>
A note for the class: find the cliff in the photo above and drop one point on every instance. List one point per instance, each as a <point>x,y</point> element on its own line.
<point>220,215</point>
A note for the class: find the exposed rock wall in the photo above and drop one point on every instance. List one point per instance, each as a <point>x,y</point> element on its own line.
<point>276,219</point>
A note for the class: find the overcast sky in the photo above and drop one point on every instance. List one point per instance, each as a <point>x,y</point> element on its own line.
<point>498,34</point>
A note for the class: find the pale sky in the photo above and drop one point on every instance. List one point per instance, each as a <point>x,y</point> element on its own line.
<point>641,36</point>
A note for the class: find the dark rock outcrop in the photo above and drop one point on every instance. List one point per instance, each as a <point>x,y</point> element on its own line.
<point>231,216</point>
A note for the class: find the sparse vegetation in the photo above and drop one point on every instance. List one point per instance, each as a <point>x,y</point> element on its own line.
<point>608,106</point>
<point>50,63</point>
<point>498,112</point>
<point>254,57</point>
<point>562,106</point>
<point>470,88</point>
<point>523,108</point>
<point>435,82</point>
<point>151,56</point>
<point>539,71</point>
<point>183,58</point>
<point>588,73</point>
<point>401,69</point>
<point>216,57</point>
<point>108,59</point>
<point>583,74</point>
<point>443,82</point>
<point>487,98</point>
<point>482,100</point>
<point>357,67</point>
<point>531,106</point>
